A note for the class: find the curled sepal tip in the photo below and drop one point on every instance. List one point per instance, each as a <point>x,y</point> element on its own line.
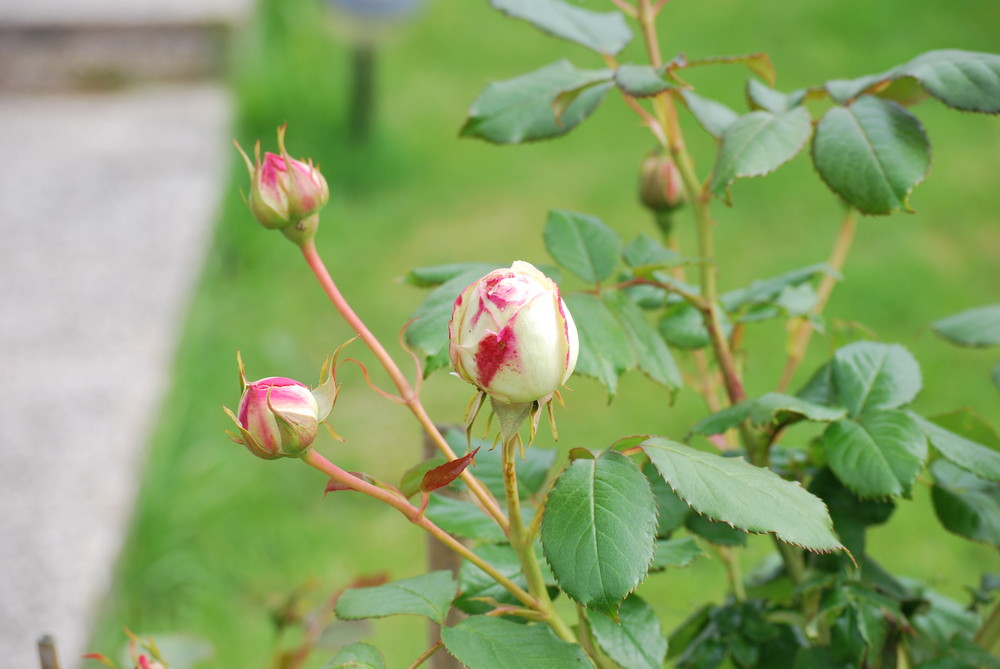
<point>326,392</point>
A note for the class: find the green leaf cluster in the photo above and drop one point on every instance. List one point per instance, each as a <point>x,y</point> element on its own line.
<point>608,522</point>
<point>880,447</point>
<point>867,147</point>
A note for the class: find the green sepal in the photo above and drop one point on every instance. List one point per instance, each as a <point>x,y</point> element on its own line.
<point>510,416</point>
<point>326,392</point>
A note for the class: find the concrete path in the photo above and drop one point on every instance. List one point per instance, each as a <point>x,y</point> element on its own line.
<point>107,201</point>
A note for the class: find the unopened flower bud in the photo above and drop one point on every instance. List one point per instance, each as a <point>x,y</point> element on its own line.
<point>145,663</point>
<point>280,417</point>
<point>283,190</point>
<point>512,336</point>
<point>660,186</point>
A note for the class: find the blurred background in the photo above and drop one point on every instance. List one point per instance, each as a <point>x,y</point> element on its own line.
<point>375,92</point>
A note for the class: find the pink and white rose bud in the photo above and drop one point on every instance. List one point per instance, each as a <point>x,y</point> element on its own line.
<point>283,190</point>
<point>279,417</point>
<point>512,336</point>
<point>145,663</point>
<point>282,416</point>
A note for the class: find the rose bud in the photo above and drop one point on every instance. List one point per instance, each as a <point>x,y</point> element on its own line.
<point>280,417</point>
<point>145,663</point>
<point>660,187</point>
<point>283,190</point>
<point>512,336</point>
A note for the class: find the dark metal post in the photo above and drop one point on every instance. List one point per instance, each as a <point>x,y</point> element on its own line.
<point>362,92</point>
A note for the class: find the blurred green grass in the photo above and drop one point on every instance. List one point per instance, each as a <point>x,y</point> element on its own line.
<point>220,537</point>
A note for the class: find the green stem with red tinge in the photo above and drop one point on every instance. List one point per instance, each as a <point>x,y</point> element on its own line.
<point>838,256</point>
<point>413,514</point>
<point>409,397</point>
<point>524,545</point>
<point>666,128</point>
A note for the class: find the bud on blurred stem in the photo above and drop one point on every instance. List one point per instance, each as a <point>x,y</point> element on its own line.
<point>661,189</point>
<point>145,663</point>
<point>285,194</point>
<point>279,417</point>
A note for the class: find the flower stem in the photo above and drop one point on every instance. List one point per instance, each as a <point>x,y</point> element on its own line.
<point>408,395</point>
<point>804,328</point>
<point>666,113</point>
<point>522,543</point>
<point>699,200</point>
<point>708,381</point>
<point>412,513</point>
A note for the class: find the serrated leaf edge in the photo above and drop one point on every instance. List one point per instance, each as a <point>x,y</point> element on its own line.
<point>652,553</point>
<point>774,532</point>
<point>748,175</point>
<point>906,197</point>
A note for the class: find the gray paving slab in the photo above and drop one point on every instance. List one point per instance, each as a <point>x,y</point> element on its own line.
<point>106,205</point>
<point>120,11</point>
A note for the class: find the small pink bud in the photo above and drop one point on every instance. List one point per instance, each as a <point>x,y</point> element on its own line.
<point>512,335</point>
<point>145,663</point>
<point>282,416</point>
<point>283,190</point>
<point>279,417</point>
<point>660,186</point>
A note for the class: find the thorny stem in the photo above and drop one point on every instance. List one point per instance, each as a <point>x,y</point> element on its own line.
<point>804,328</point>
<point>656,125</point>
<point>409,397</point>
<point>413,514</point>
<point>522,543</point>
<point>699,199</point>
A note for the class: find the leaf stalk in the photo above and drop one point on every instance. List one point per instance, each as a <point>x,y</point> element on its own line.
<point>804,328</point>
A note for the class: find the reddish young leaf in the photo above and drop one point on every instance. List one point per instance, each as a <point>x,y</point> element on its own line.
<point>100,657</point>
<point>446,473</point>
